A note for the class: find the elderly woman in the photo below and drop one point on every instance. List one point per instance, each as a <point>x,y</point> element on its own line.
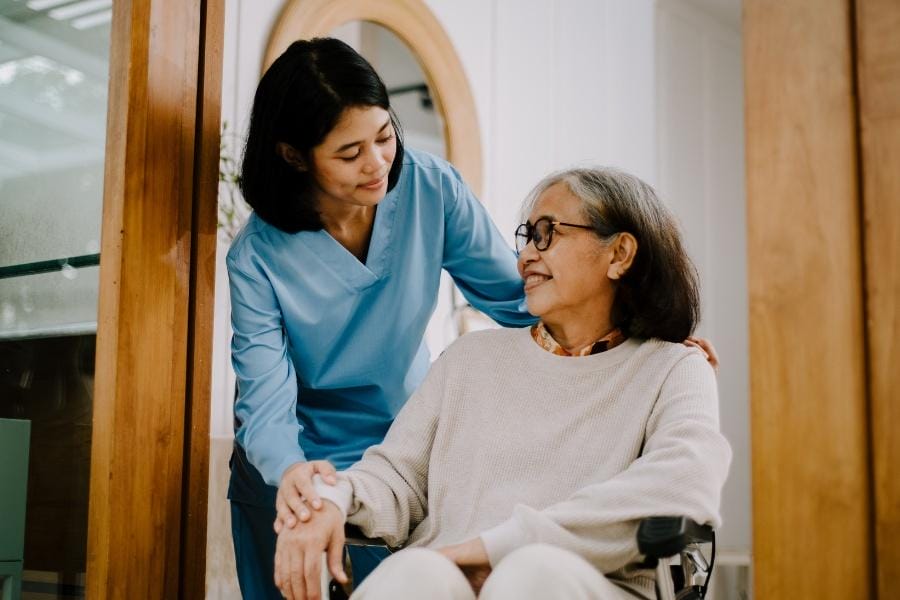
<point>523,464</point>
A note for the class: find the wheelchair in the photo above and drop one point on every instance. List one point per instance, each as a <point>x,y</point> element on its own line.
<point>661,538</point>
<point>674,546</point>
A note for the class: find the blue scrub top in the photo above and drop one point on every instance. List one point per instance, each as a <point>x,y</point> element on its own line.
<point>327,349</point>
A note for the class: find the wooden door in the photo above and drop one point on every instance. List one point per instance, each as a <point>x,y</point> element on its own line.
<point>823,149</point>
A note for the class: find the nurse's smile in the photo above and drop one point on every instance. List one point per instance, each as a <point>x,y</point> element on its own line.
<point>375,185</point>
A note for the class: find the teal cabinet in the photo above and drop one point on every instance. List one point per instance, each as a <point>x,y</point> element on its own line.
<point>14,440</point>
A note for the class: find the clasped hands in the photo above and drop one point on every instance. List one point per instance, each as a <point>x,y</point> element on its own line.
<point>307,527</point>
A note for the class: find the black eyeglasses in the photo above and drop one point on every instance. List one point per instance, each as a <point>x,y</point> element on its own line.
<point>541,233</point>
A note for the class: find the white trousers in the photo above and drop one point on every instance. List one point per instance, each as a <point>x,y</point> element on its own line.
<point>534,572</point>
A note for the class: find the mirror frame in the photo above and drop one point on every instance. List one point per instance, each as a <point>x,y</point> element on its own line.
<point>419,29</point>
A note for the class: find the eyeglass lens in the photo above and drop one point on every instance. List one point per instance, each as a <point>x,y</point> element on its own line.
<point>541,232</point>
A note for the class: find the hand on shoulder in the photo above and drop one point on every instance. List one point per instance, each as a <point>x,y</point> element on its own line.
<point>706,347</point>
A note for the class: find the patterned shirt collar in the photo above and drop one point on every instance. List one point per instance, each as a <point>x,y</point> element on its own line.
<point>543,338</point>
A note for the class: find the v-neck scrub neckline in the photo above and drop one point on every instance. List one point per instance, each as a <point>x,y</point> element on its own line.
<point>347,267</point>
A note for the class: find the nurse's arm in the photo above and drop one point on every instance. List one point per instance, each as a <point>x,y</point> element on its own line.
<point>266,406</point>
<point>481,263</point>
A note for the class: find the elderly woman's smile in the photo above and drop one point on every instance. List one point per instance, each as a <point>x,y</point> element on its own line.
<point>533,279</point>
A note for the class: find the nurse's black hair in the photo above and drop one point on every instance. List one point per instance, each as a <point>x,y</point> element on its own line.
<point>298,101</point>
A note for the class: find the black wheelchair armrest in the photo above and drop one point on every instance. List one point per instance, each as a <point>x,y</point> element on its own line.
<point>661,537</point>
<point>353,536</point>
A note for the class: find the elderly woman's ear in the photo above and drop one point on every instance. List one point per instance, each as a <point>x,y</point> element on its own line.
<point>623,250</point>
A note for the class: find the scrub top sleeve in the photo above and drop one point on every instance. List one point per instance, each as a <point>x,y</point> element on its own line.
<point>479,260</point>
<point>267,383</point>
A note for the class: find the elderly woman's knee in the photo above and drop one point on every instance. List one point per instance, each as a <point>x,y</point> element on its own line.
<point>534,559</point>
<point>545,571</point>
<point>414,562</point>
<point>415,573</point>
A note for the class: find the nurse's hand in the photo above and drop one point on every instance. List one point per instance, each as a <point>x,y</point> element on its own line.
<point>297,493</point>
<point>298,555</point>
<point>706,347</point>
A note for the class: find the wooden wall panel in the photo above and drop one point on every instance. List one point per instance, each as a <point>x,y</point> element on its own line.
<point>878,60</point>
<point>203,283</point>
<point>809,418</point>
<point>155,231</point>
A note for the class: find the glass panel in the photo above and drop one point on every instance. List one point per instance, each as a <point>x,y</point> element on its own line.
<point>53,79</point>
<point>49,383</point>
<point>53,86</point>
<point>49,304</point>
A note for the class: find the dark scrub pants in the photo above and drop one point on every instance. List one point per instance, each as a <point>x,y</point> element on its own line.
<point>252,516</point>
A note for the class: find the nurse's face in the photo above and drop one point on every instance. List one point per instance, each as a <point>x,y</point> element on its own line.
<point>351,165</point>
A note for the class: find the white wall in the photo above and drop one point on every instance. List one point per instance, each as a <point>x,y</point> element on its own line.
<point>701,159</point>
<point>651,86</point>
<point>523,74</point>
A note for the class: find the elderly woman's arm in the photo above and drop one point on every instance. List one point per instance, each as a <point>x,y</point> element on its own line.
<point>385,493</point>
<point>680,472</point>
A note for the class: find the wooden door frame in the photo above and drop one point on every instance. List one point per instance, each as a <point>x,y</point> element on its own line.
<point>149,458</point>
<point>878,87</point>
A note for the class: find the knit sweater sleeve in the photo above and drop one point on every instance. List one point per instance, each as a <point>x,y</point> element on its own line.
<point>385,493</point>
<point>681,471</point>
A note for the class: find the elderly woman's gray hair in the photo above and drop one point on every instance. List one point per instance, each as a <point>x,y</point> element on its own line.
<point>659,295</point>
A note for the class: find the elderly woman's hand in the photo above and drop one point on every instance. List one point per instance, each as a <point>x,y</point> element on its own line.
<point>706,347</point>
<point>472,559</point>
<point>296,492</point>
<point>298,555</point>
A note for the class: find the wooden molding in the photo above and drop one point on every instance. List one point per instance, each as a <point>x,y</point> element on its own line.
<point>412,22</point>
<point>878,73</point>
<point>204,233</point>
<point>809,421</point>
<point>153,291</point>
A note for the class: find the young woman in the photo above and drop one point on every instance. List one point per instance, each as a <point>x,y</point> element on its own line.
<point>333,281</point>
<point>521,467</point>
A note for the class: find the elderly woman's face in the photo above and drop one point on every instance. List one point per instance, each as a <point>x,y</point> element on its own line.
<point>571,274</point>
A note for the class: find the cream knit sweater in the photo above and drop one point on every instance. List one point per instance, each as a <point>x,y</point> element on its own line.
<point>509,442</point>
